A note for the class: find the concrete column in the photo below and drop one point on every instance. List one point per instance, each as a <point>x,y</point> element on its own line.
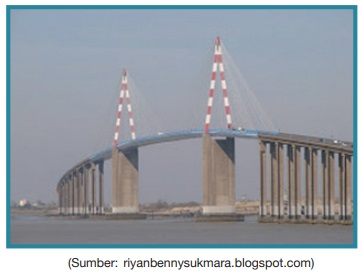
<point>308,169</point>
<point>62,197</point>
<point>297,181</point>
<point>341,185</point>
<point>64,200</point>
<point>86,182</point>
<point>64,190</point>
<point>101,187</point>
<point>74,198</point>
<point>274,180</point>
<point>93,189</point>
<point>280,160</point>
<point>79,192</point>
<point>125,173</point>
<point>314,192</point>
<point>280,181</point>
<point>263,186</point>
<point>291,182</point>
<point>66,197</point>
<point>77,182</point>
<point>59,193</point>
<point>325,184</point>
<point>69,196</point>
<point>331,188</point>
<point>75,192</point>
<point>218,175</point>
<point>348,188</point>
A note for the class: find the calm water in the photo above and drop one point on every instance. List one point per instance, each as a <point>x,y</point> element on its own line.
<point>41,229</point>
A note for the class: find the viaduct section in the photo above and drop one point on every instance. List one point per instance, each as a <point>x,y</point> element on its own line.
<point>290,169</point>
<point>80,191</point>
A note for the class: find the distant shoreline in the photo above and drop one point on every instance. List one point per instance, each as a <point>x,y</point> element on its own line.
<point>246,207</point>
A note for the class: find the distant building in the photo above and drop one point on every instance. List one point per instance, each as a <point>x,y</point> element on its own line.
<point>24,203</point>
<point>39,204</point>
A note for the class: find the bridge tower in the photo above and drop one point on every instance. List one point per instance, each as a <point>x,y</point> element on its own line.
<point>218,154</point>
<point>125,166</point>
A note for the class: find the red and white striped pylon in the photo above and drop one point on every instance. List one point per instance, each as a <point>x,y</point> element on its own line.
<point>124,95</point>
<point>217,65</point>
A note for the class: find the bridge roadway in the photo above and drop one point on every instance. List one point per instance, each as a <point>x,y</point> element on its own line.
<point>162,137</point>
<point>272,207</point>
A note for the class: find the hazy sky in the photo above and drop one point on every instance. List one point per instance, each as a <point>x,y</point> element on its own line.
<point>65,73</point>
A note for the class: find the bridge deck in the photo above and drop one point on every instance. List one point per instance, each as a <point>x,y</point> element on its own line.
<point>301,140</point>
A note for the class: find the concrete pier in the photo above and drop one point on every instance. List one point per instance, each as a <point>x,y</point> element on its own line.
<point>280,160</point>
<point>59,193</point>
<point>70,193</point>
<point>314,192</point>
<point>65,197</point>
<point>263,189</point>
<point>93,189</point>
<point>81,191</point>
<point>297,181</point>
<point>348,189</point>
<point>60,198</point>
<point>75,190</point>
<point>341,185</point>
<point>218,176</point>
<point>274,180</point>
<point>331,186</point>
<point>101,187</point>
<point>86,180</point>
<point>308,181</point>
<point>125,171</point>
<point>291,182</point>
<point>325,184</point>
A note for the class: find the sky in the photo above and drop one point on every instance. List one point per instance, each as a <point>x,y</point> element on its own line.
<point>65,74</point>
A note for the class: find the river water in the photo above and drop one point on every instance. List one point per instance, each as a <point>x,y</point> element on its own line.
<point>55,230</point>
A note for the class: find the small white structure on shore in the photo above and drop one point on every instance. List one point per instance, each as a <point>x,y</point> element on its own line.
<point>24,203</point>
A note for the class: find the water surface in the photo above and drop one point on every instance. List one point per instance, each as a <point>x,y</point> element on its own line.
<point>43,229</point>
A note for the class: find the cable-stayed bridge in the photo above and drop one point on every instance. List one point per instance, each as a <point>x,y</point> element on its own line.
<point>290,165</point>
